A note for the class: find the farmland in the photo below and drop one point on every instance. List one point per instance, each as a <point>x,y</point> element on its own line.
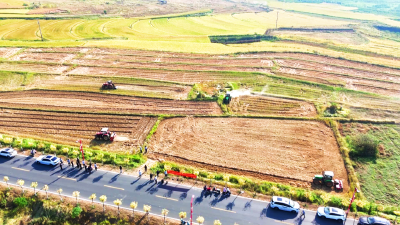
<point>312,67</point>
<point>251,147</point>
<point>66,128</point>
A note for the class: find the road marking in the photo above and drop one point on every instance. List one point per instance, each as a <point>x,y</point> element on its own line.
<point>284,222</point>
<point>223,210</point>
<point>20,169</point>
<point>158,196</point>
<point>114,187</point>
<point>67,178</point>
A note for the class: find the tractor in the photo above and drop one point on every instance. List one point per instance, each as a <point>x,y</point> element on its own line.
<point>105,135</point>
<point>227,99</point>
<point>326,178</point>
<point>108,85</point>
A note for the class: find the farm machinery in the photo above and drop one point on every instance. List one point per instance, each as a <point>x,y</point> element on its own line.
<point>105,135</point>
<point>327,179</point>
<point>108,85</point>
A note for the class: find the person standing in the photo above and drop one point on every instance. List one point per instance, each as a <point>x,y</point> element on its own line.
<point>61,163</point>
<point>84,164</point>
<point>151,176</point>
<point>141,149</point>
<point>95,166</point>
<point>140,173</point>
<point>78,164</point>
<point>120,169</point>
<point>158,173</point>
<point>72,163</point>
<point>165,173</point>
<point>303,214</point>
<point>155,179</point>
<point>69,162</point>
<point>145,168</point>
<point>145,149</point>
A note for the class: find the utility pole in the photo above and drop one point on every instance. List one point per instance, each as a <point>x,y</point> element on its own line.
<point>277,15</point>
<point>40,30</point>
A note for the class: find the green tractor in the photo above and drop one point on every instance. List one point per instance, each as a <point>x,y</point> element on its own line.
<point>326,178</point>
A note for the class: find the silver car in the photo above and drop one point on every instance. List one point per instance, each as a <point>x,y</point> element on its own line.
<point>331,213</point>
<point>8,152</point>
<point>48,160</point>
<point>284,204</point>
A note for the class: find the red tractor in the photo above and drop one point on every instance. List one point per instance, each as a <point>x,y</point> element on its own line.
<point>105,135</point>
<point>108,85</point>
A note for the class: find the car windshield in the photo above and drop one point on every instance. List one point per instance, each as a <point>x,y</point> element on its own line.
<point>54,159</point>
<point>291,203</point>
<point>326,210</point>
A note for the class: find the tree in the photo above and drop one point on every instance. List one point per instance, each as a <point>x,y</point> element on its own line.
<point>365,145</point>
<point>76,211</point>
<point>5,178</point>
<point>103,199</point>
<point>34,185</point>
<point>226,179</point>
<point>196,172</point>
<point>147,209</point>
<point>21,184</point>
<point>76,195</point>
<point>133,206</point>
<point>118,202</point>
<point>92,197</point>
<point>182,215</point>
<point>200,220</point>
<point>46,188</point>
<point>59,191</point>
<point>164,212</point>
<point>217,222</point>
<point>241,182</point>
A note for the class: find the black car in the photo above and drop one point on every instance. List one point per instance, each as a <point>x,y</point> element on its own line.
<point>373,220</point>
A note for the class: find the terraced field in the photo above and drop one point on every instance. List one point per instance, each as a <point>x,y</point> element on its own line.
<point>93,102</point>
<point>66,128</point>
<point>258,105</point>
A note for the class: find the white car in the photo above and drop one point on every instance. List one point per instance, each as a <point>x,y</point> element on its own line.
<point>284,204</point>
<point>8,152</point>
<point>331,213</point>
<point>48,160</point>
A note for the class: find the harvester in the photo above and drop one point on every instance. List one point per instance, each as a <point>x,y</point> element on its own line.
<point>327,180</point>
<point>108,85</point>
<point>105,135</point>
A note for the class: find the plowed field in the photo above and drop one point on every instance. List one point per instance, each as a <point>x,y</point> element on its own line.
<point>67,128</point>
<point>93,102</point>
<point>279,150</point>
<point>258,105</point>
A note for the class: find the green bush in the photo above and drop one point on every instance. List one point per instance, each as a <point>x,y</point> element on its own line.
<point>335,201</point>
<point>76,212</point>
<point>364,145</point>
<point>233,180</point>
<point>353,207</point>
<point>219,177</point>
<point>175,168</point>
<point>203,174</point>
<point>20,202</point>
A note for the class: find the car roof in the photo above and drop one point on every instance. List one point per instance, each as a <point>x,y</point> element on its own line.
<point>336,211</point>
<point>7,149</point>
<point>105,129</point>
<point>281,199</point>
<point>48,156</point>
<point>379,220</point>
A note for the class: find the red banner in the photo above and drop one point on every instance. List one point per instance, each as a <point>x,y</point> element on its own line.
<point>189,175</point>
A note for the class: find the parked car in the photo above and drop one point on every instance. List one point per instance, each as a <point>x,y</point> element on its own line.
<point>331,213</point>
<point>8,152</point>
<point>373,220</point>
<point>48,160</point>
<point>284,204</point>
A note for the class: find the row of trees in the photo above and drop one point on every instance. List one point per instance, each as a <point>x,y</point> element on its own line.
<point>103,199</point>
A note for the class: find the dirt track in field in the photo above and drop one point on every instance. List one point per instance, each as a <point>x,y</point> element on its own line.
<point>261,105</point>
<point>278,150</point>
<point>66,128</point>
<point>93,102</point>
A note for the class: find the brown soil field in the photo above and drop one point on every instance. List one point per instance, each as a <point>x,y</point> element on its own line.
<point>163,75</point>
<point>31,67</point>
<point>45,57</point>
<point>66,128</point>
<point>95,102</point>
<point>354,83</point>
<point>285,151</point>
<point>8,52</point>
<point>337,70</point>
<point>259,105</point>
<point>167,66</point>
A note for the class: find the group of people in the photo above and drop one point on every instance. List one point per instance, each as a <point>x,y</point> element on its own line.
<point>88,168</point>
<point>145,149</point>
<point>152,175</point>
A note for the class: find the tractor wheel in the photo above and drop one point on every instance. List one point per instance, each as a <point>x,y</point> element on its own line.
<point>329,184</point>
<point>106,138</point>
<point>97,138</point>
<point>317,182</point>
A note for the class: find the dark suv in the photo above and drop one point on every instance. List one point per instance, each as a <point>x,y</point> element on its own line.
<point>364,220</point>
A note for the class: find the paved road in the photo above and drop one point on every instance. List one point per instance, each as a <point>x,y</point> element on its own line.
<point>174,197</point>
